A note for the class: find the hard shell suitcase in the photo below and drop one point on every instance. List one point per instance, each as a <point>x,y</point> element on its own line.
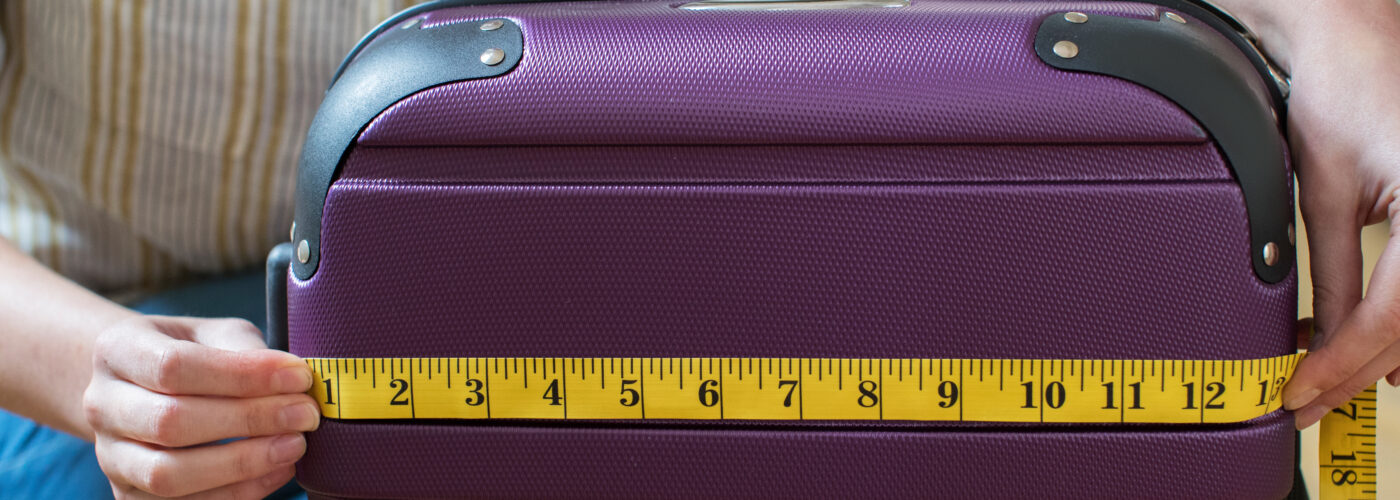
<point>814,179</point>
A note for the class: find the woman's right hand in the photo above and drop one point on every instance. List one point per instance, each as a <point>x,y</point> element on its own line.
<point>166,392</point>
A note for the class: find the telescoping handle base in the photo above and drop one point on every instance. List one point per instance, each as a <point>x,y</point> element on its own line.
<point>277,262</point>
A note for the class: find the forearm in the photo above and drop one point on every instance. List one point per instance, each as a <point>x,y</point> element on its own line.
<point>47,332</point>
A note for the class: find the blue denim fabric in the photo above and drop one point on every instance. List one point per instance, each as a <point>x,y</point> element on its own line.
<point>39,462</point>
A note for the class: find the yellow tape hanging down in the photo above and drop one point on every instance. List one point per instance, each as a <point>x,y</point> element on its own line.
<point>1346,452</point>
<point>970,390</point>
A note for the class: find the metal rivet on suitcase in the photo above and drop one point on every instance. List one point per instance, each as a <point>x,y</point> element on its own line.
<point>492,57</point>
<point>1076,17</point>
<point>1285,86</point>
<point>1271,253</point>
<point>1175,17</point>
<point>492,25</point>
<point>303,251</point>
<point>1066,49</point>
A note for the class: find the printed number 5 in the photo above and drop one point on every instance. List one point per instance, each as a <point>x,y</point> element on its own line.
<point>630,395</point>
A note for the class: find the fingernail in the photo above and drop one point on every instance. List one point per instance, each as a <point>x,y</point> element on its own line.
<point>293,379</point>
<point>287,449</point>
<point>1308,416</point>
<point>1298,400</point>
<point>300,417</point>
<point>1393,379</point>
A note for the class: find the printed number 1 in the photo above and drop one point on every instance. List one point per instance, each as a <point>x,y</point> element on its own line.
<point>329,400</point>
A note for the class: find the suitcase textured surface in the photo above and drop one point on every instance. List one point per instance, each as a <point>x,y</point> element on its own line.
<point>903,182</point>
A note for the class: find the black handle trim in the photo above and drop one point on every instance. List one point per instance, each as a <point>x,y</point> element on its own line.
<point>1202,73</point>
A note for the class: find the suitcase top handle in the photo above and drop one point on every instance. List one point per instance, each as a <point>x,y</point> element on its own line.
<point>1242,111</point>
<point>1214,16</point>
<point>792,4</point>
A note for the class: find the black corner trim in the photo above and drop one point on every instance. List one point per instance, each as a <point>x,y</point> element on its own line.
<point>1192,66</point>
<point>404,15</point>
<point>277,262</point>
<point>398,63</point>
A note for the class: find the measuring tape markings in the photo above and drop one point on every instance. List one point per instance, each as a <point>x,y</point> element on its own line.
<point>1346,452</point>
<point>970,390</point>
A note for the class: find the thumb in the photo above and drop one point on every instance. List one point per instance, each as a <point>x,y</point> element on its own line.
<point>1394,377</point>
<point>1363,349</point>
<point>1334,241</point>
<point>1334,252</point>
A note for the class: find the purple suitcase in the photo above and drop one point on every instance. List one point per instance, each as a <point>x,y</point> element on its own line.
<point>857,178</point>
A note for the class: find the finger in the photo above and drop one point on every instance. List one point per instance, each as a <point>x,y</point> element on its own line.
<point>185,471</point>
<point>139,353</point>
<point>1372,328</point>
<point>126,410</point>
<point>230,334</point>
<point>1394,378</point>
<point>252,488</point>
<point>1305,333</point>
<point>1306,417</point>
<point>1343,392</point>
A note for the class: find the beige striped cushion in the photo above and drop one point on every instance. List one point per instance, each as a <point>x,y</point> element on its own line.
<point>143,141</point>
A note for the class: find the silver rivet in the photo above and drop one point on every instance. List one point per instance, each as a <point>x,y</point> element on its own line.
<point>1270,254</point>
<point>292,235</point>
<point>493,57</point>
<point>1175,17</point>
<point>1285,86</point>
<point>1076,17</point>
<point>1066,49</point>
<point>1292,235</point>
<point>412,24</point>
<point>492,25</point>
<point>303,251</point>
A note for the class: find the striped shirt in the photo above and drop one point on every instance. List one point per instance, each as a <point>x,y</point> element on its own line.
<point>146,141</point>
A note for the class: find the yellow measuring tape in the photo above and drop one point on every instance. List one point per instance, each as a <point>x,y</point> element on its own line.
<point>968,390</point>
<point>1346,452</point>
